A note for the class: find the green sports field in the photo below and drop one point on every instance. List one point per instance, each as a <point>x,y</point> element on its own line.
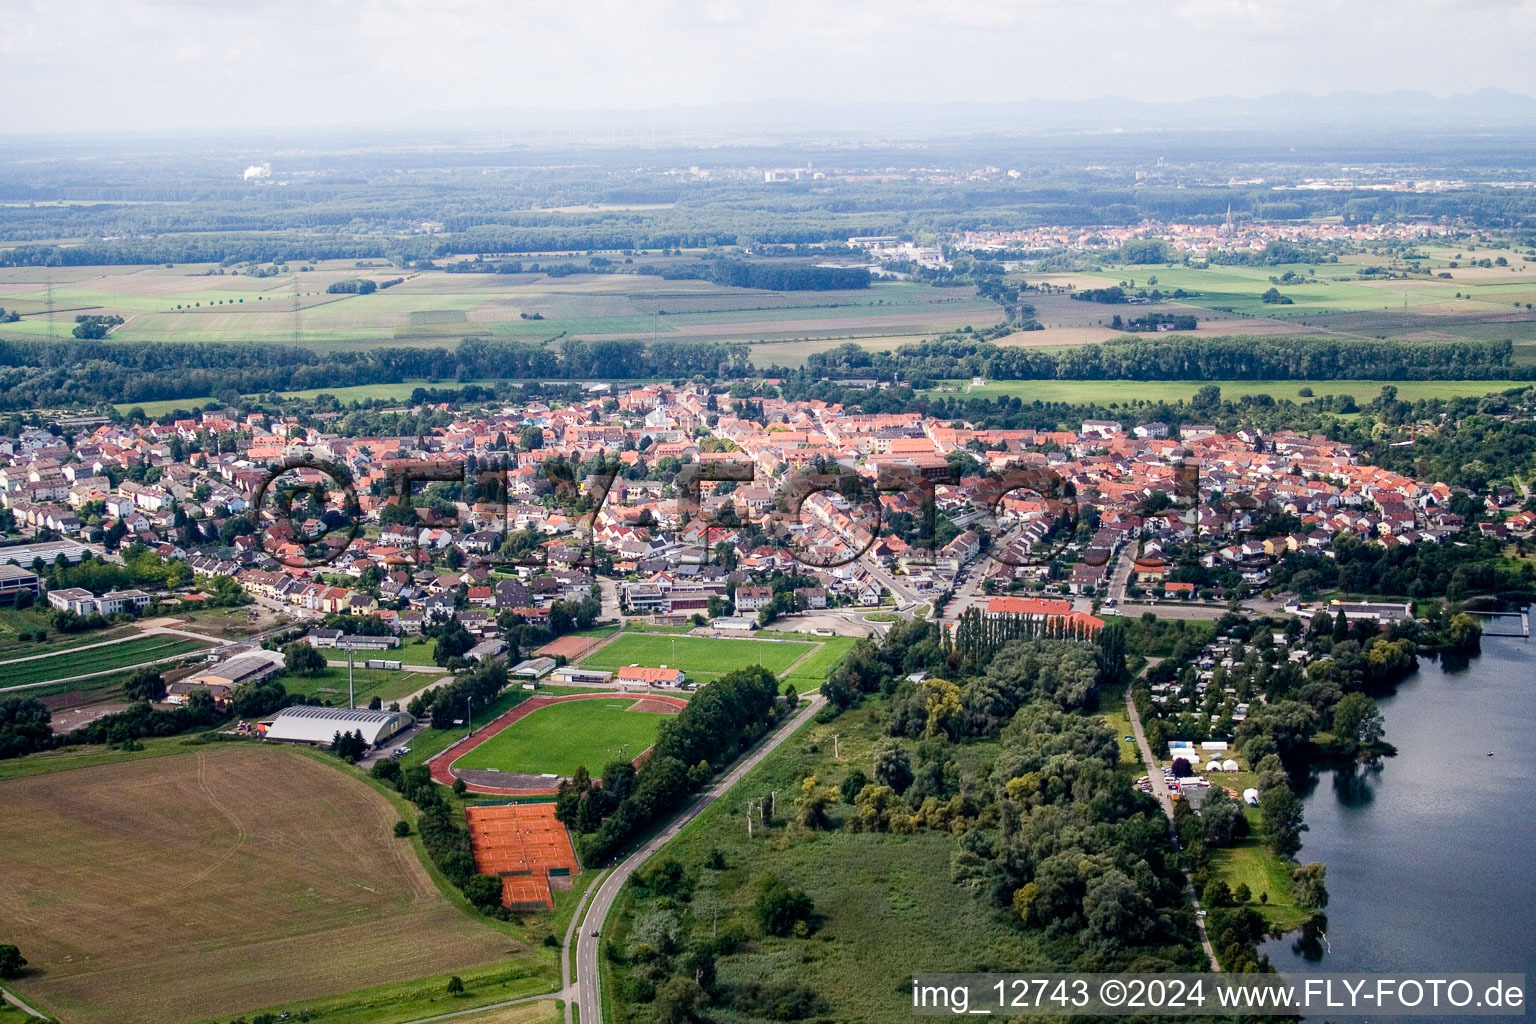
<point>560,738</point>
<point>385,684</point>
<point>702,659</point>
<point>808,675</point>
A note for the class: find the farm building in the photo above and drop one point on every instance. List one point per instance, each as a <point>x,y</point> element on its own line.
<point>320,725</point>
<point>662,676</point>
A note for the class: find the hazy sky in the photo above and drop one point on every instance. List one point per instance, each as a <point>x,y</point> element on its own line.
<point>69,65</point>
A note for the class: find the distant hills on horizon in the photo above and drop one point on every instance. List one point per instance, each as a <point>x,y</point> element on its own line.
<point>1483,108</point>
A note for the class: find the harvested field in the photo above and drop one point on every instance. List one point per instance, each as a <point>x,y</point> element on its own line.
<point>215,883</point>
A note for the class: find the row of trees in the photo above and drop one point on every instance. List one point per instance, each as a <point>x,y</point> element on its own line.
<point>722,719</point>
<point>1178,357</point>
<point>771,275</point>
<point>39,373</point>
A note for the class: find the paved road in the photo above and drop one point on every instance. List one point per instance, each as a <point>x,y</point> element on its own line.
<point>587,993</point>
<point>1164,797</point>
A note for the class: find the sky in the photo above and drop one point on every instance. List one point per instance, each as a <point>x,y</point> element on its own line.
<point>194,65</point>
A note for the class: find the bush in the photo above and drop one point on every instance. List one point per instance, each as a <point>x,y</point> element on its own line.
<point>780,907</point>
<point>402,829</point>
<point>484,891</point>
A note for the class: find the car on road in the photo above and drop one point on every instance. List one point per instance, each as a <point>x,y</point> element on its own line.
<point>593,934</point>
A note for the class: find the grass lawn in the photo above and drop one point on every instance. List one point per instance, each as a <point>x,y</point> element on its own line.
<point>69,758</point>
<point>98,659</point>
<point>428,997</point>
<point>326,909</point>
<point>1112,710</point>
<point>430,741</point>
<point>808,675</point>
<point>887,906</point>
<point>560,738</point>
<point>415,651</point>
<point>1250,862</point>
<point>385,684</point>
<point>701,658</point>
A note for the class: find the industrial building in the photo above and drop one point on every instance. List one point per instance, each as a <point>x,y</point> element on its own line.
<point>47,550</point>
<point>320,725</point>
<point>15,581</point>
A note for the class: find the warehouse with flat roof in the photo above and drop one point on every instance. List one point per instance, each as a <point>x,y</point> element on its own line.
<point>320,725</point>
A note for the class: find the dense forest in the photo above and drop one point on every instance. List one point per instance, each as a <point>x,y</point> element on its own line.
<point>40,374</point>
<point>1176,357</point>
<point>45,373</point>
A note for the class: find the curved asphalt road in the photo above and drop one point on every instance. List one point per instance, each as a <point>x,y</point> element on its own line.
<point>587,993</point>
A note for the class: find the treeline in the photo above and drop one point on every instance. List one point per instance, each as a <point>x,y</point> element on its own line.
<point>779,277</point>
<point>722,719</point>
<point>43,373</point>
<point>1480,439</point>
<point>1464,566</point>
<point>1177,357</point>
<point>443,833</point>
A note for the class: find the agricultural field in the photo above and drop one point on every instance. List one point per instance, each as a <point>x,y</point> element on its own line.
<point>560,738</point>
<point>1474,303</point>
<point>280,870</point>
<point>702,659</point>
<point>1124,391</point>
<point>74,662</point>
<point>14,622</point>
<point>185,303</point>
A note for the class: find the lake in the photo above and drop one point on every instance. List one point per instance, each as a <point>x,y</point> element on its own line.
<point>1429,852</point>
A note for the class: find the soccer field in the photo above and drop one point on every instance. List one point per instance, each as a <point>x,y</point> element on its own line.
<point>560,738</point>
<point>701,658</point>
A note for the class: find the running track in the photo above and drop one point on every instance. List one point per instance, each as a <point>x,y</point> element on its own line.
<point>442,765</point>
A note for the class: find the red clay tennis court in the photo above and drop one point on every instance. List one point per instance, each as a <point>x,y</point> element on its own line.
<point>525,844</point>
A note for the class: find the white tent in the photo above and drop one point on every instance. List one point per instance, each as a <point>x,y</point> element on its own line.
<point>1214,766</point>
<point>1251,796</point>
<point>1229,765</point>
